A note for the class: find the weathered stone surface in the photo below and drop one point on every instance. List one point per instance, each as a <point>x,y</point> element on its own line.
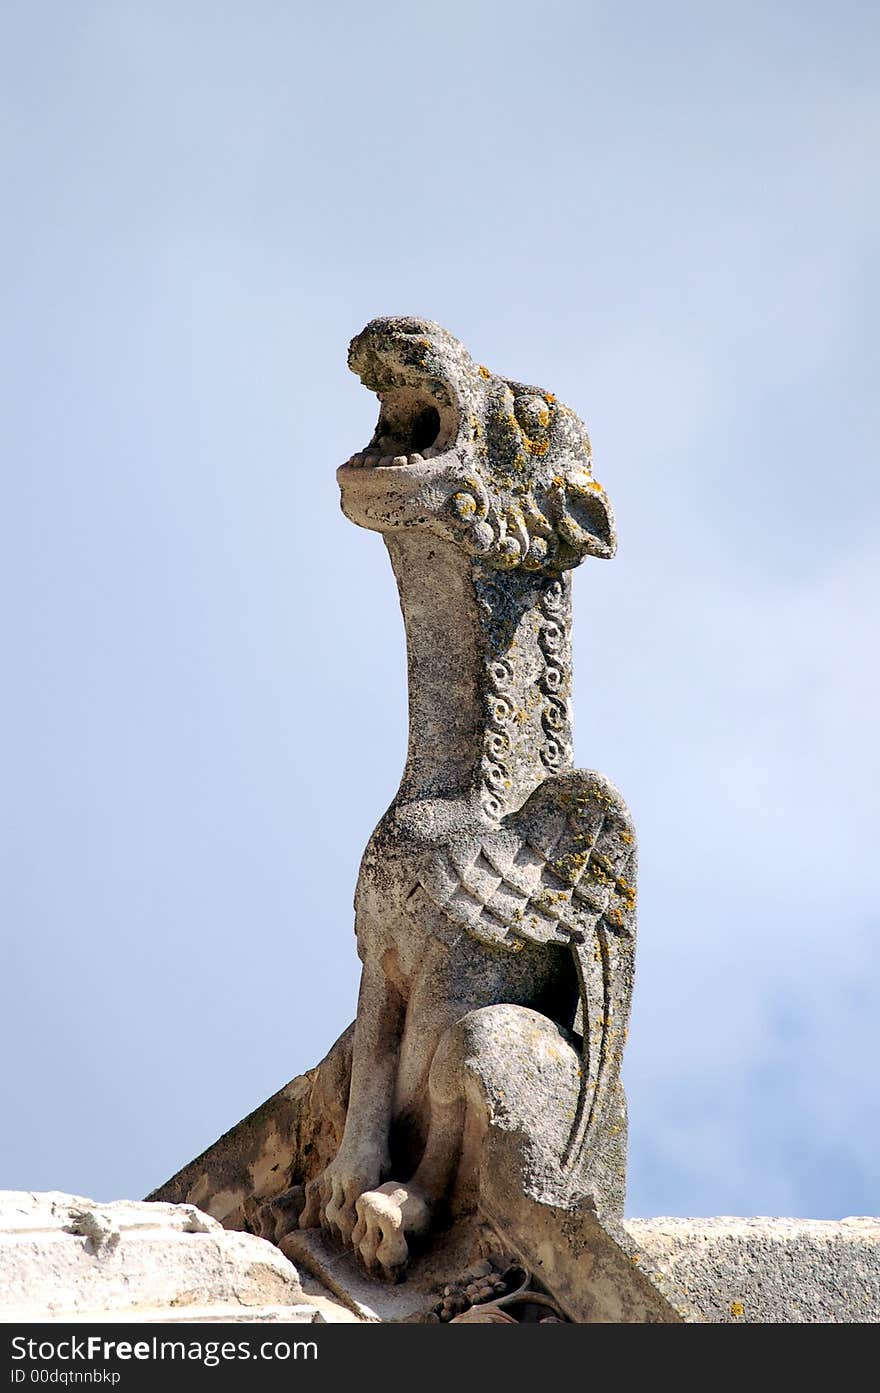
<point>764,1270</point>
<point>65,1257</point>
<point>500,880</point>
<point>594,1270</point>
<point>339,1271</point>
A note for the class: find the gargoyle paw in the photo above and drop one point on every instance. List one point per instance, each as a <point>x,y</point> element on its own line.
<point>330,1199</point>
<point>386,1218</point>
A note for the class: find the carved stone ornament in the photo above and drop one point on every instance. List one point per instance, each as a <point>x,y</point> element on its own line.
<point>495,906</point>
<point>466,1136</point>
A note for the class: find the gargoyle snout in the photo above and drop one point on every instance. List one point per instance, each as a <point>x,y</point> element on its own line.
<point>388,338</point>
<point>397,349</point>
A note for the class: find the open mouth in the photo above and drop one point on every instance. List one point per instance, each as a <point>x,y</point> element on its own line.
<point>415,424</point>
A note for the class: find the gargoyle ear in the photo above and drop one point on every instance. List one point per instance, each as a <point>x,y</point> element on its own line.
<point>583,516</point>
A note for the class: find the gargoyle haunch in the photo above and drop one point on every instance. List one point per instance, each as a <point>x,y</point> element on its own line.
<point>495,907</point>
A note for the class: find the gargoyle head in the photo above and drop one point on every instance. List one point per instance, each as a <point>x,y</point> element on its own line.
<point>499,468</point>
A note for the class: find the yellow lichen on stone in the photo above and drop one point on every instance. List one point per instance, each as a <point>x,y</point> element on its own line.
<point>627,891</point>
<point>465,505</point>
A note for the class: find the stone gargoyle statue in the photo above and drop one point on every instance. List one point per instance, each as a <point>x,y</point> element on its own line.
<point>495,906</point>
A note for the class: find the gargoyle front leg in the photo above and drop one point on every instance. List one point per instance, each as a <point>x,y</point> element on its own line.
<point>501,1061</point>
<point>430,1080</point>
<point>363,1158</point>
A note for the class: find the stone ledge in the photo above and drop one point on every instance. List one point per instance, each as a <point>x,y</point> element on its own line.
<point>64,1257</point>
<point>761,1270</point>
<point>717,1270</point>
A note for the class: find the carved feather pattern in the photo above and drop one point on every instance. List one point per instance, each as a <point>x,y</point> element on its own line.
<point>560,870</point>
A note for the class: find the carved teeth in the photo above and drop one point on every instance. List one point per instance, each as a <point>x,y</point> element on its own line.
<point>369,459</point>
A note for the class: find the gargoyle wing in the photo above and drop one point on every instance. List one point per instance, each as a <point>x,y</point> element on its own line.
<point>560,870</point>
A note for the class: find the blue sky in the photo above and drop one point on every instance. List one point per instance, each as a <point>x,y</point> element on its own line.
<point>667,216</point>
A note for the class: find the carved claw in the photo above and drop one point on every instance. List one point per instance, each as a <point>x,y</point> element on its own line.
<point>331,1196</point>
<point>275,1218</point>
<point>386,1218</point>
<point>310,1217</point>
<point>339,1209</point>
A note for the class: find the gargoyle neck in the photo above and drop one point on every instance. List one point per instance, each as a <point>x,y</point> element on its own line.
<point>489,665</point>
